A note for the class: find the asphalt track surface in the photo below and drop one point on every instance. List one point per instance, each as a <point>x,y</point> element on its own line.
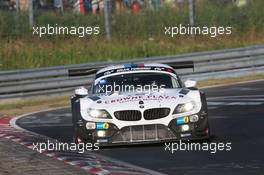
<point>236,115</point>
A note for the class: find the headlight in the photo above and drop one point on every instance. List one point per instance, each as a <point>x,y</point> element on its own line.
<point>181,108</point>
<point>101,133</point>
<point>90,125</point>
<point>99,113</point>
<point>185,127</point>
<point>194,118</point>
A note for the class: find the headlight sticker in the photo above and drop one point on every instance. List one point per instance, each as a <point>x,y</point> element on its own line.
<point>182,120</point>
<point>102,125</point>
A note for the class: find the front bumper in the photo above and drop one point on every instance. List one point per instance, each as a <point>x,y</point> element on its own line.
<point>145,133</point>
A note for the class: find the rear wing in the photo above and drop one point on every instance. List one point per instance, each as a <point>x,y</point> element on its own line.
<point>83,71</point>
<point>181,65</point>
<point>93,70</point>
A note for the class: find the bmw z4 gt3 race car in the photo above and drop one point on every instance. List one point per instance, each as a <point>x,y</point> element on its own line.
<point>138,103</point>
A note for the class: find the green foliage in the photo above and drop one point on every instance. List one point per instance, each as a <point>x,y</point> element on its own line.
<point>133,35</point>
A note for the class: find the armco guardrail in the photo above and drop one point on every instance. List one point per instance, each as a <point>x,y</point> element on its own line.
<point>207,65</point>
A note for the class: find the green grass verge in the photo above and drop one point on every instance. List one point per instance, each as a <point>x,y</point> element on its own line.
<point>133,35</point>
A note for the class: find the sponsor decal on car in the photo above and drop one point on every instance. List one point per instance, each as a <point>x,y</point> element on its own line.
<point>135,67</point>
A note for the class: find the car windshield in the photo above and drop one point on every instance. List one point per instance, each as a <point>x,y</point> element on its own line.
<point>136,81</point>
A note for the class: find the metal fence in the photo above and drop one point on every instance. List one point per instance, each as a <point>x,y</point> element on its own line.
<point>207,65</point>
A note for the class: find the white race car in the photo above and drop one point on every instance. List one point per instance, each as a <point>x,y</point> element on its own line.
<point>138,103</point>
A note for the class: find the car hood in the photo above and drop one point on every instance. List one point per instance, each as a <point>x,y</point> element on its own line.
<point>136,101</point>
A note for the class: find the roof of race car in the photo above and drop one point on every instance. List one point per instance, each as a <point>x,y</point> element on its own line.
<point>120,66</point>
<point>133,67</point>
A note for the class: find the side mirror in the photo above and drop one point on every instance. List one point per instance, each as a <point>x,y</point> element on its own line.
<point>190,83</point>
<point>81,91</point>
